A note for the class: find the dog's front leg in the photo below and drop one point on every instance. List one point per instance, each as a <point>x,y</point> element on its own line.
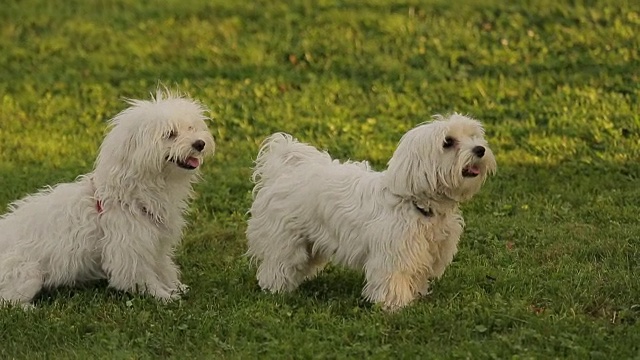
<point>446,251</point>
<point>169,273</point>
<point>129,261</point>
<point>392,288</point>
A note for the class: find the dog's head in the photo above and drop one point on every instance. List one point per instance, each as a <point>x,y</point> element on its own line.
<point>448,157</point>
<point>167,134</point>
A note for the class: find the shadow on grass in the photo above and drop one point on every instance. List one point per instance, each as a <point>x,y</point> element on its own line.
<point>98,288</point>
<point>333,283</point>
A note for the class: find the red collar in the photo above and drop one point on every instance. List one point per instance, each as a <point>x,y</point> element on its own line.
<point>101,210</point>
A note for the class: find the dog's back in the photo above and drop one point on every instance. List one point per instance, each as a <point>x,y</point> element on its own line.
<point>281,153</point>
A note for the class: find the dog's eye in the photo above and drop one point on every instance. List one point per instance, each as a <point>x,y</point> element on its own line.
<point>171,134</point>
<point>448,142</point>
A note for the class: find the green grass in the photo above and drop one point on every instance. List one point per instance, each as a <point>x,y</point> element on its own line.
<point>548,266</point>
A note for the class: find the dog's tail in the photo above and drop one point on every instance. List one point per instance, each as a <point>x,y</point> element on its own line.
<point>281,153</point>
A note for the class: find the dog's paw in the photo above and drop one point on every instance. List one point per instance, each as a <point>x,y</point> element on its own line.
<point>391,308</point>
<point>166,297</point>
<point>162,294</point>
<point>425,292</point>
<point>182,288</point>
<point>28,306</point>
<point>395,303</point>
<point>176,294</point>
<point>425,289</point>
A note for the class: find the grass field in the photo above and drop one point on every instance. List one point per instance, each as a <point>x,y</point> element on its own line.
<point>548,266</point>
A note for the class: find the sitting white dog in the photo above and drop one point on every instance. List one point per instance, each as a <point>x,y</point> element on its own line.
<point>121,221</point>
<point>401,226</point>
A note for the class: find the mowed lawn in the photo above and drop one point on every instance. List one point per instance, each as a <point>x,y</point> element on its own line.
<point>547,268</point>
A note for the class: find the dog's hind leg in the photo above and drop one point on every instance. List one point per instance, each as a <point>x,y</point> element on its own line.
<point>20,281</point>
<point>316,262</point>
<point>283,269</point>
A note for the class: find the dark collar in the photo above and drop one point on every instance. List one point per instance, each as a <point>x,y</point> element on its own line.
<point>426,212</point>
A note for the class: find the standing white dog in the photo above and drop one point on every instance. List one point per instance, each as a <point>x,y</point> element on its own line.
<point>401,226</point>
<point>121,221</point>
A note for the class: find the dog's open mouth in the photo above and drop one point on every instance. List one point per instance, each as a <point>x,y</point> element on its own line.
<point>471,171</point>
<point>189,163</point>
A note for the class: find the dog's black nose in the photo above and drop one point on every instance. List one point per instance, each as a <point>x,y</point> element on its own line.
<point>199,145</point>
<point>478,150</point>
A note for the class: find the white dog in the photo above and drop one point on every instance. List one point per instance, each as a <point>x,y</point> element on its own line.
<point>401,226</point>
<point>121,221</point>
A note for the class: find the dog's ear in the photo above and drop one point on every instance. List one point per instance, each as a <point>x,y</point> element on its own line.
<point>411,170</point>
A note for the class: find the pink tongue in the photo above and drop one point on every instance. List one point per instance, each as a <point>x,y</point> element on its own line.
<point>474,170</point>
<point>193,162</point>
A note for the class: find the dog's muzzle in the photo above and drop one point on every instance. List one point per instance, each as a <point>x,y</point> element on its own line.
<point>471,170</point>
<point>190,163</point>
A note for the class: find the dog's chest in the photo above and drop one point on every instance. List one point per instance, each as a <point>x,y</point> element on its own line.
<point>438,228</point>
<point>435,238</point>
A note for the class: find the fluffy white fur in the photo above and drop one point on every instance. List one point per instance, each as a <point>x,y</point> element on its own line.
<point>121,221</point>
<point>401,226</point>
